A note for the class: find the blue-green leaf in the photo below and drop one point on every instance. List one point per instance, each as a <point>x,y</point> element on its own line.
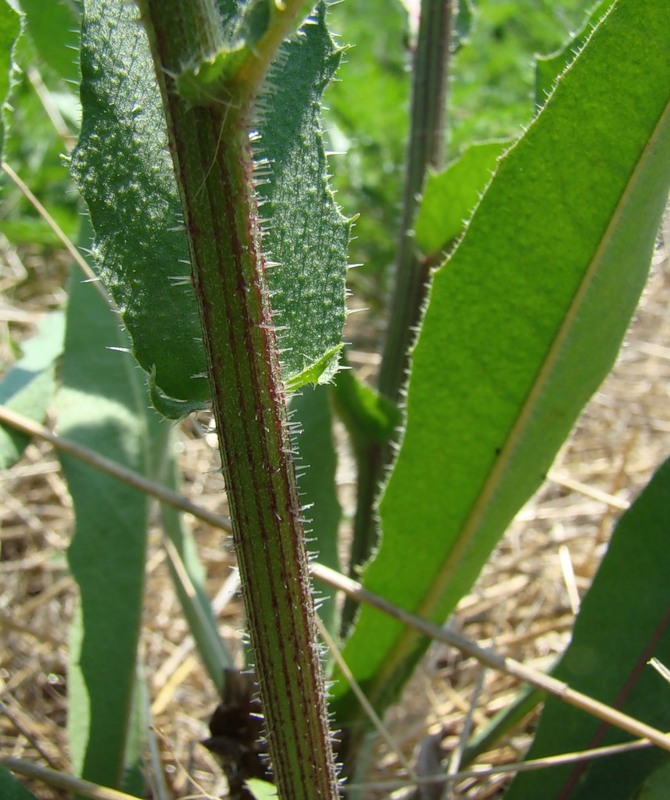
<point>103,404</point>
<point>125,173</point>
<point>624,620</point>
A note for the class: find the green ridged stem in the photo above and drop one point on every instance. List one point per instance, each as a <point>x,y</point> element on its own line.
<point>425,149</point>
<point>213,164</point>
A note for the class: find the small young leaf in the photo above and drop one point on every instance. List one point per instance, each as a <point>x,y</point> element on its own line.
<point>207,80</point>
<point>262,790</point>
<point>450,196</point>
<point>319,372</point>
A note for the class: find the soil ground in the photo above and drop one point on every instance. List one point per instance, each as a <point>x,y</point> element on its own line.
<point>523,604</point>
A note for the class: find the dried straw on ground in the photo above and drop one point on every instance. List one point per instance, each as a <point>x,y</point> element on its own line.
<point>524,602</point>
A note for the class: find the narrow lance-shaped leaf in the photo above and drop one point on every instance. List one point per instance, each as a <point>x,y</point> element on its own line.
<point>189,578</point>
<point>624,620</point>
<point>103,405</point>
<point>523,323</point>
<point>126,176</point>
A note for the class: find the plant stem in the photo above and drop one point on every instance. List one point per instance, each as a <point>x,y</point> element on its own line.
<point>213,164</point>
<point>425,149</point>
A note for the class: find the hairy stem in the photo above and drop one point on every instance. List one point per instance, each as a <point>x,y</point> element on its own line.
<point>213,163</point>
<point>425,149</point>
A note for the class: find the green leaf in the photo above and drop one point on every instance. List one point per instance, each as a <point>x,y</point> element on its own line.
<point>485,739</point>
<point>523,323</point>
<point>123,167</point>
<point>463,22</point>
<point>189,579</point>
<point>320,372</point>
<point>10,27</point>
<point>11,789</point>
<point>103,405</point>
<point>656,785</point>
<point>369,416</point>
<point>312,416</point>
<point>29,385</point>
<point>262,790</point>
<point>53,28</point>
<point>549,68</point>
<point>305,232</point>
<point>450,196</point>
<point>125,174</point>
<point>624,620</point>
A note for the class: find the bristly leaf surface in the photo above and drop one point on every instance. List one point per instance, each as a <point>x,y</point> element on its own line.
<point>306,234</point>
<point>126,176</point>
